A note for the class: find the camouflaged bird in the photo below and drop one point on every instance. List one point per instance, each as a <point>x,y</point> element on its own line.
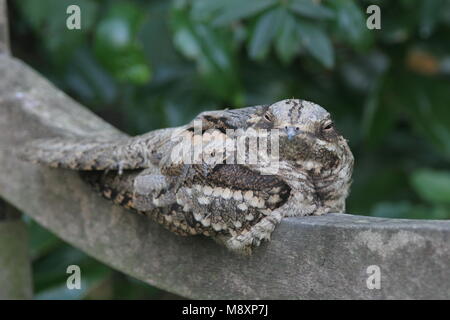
<point>238,203</point>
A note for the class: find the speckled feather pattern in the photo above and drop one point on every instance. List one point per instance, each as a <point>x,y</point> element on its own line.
<point>238,205</point>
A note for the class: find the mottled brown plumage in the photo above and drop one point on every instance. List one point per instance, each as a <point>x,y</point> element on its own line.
<point>236,202</point>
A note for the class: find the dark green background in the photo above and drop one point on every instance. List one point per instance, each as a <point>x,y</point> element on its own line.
<point>143,65</point>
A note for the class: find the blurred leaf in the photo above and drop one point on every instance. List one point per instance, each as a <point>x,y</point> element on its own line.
<point>311,9</point>
<point>237,9</point>
<point>316,41</point>
<point>432,186</point>
<point>89,80</point>
<point>156,37</point>
<point>211,49</point>
<point>445,13</point>
<point>130,11</point>
<point>398,210</point>
<point>363,72</point>
<point>424,100</point>
<point>430,12</point>
<point>351,23</point>
<point>379,115</point>
<point>204,9</point>
<point>406,210</point>
<point>117,47</point>
<point>377,178</point>
<point>114,33</point>
<point>264,31</point>
<point>286,43</point>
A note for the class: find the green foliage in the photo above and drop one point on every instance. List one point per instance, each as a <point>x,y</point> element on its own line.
<point>432,186</point>
<point>294,22</point>
<point>210,49</point>
<point>351,24</point>
<point>143,65</point>
<point>116,45</point>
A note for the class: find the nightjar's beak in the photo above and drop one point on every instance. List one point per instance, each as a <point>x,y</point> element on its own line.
<point>291,132</point>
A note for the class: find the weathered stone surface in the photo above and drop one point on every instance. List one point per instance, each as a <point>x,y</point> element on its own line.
<point>4,39</point>
<point>15,265</point>
<point>15,272</point>
<point>311,257</point>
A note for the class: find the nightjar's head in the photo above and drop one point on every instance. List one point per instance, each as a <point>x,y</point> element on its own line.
<point>307,134</point>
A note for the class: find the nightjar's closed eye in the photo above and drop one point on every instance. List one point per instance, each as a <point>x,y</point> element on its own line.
<point>268,116</point>
<point>327,126</point>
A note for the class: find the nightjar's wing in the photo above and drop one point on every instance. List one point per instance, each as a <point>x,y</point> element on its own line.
<point>232,203</point>
<point>230,119</point>
<point>208,132</point>
<point>127,153</point>
<point>227,200</point>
